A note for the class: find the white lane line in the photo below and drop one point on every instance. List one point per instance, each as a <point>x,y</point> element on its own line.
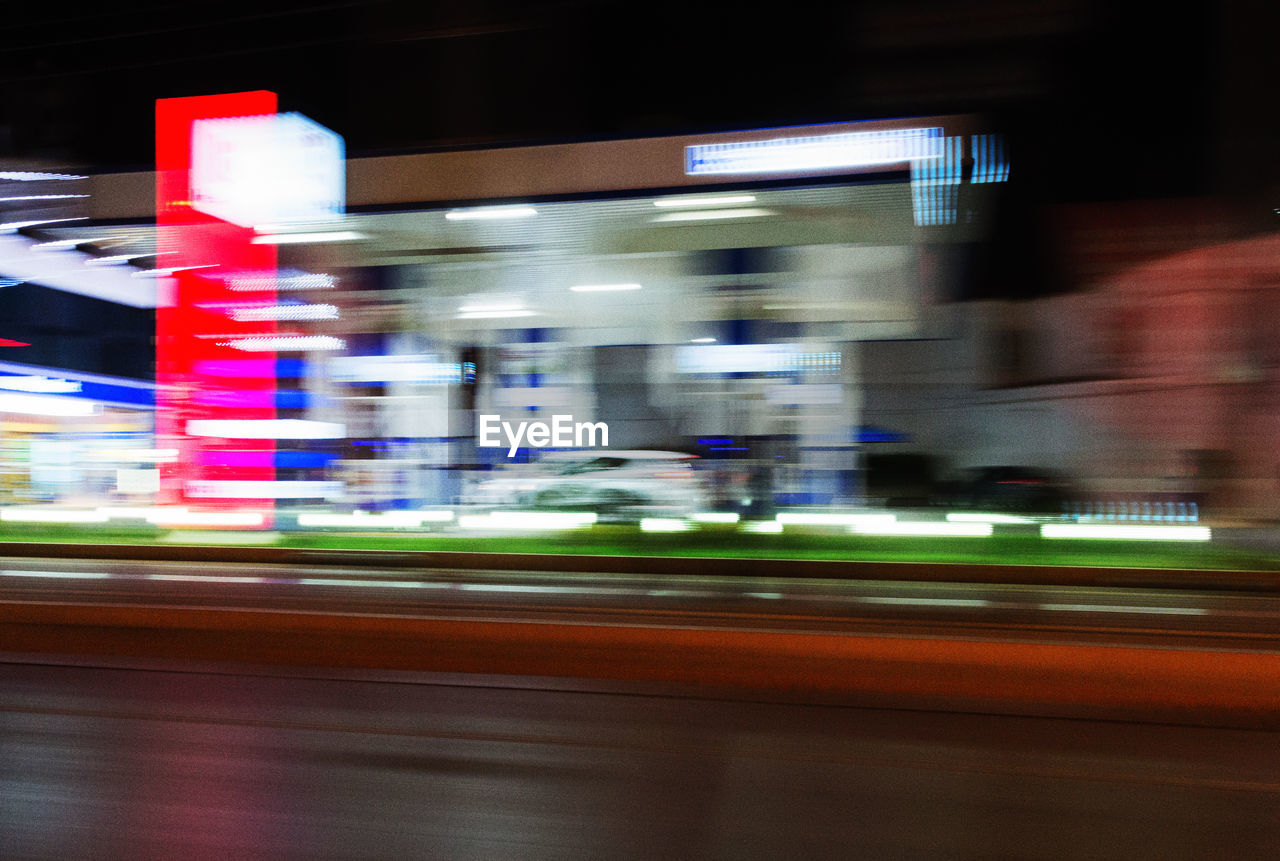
<point>62,575</point>
<point>926,602</point>
<point>1114,608</point>
<point>198,578</point>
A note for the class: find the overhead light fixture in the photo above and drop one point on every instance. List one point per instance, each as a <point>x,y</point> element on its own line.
<point>712,214</point>
<point>604,288</point>
<point>704,200</point>
<point>304,238</point>
<point>489,213</point>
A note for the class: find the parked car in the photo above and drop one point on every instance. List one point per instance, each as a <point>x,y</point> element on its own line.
<point>607,483</point>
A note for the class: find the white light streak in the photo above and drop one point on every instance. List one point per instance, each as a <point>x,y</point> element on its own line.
<point>766,527</point>
<point>285,312</point>
<point>490,213</point>
<point>367,520</point>
<point>265,429</point>
<point>705,200</point>
<point>40,384</point>
<point>287,343</point>
<point>39,405</point>
<point>965,517</point>
<point>495,315</point>
<point>819,518</point>
<point>41,197</point>
<point>1125,532</point>
<point>182,517</point>
<point>959,530</point>
<point>305,238</point>
<point>50,515</point>
<point>663,524</point>
<point>715,517</point>
<point>35,176</point>
<point>712,214</point>
<point>604,288</point>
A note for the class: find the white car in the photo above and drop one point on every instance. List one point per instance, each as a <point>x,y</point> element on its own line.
<point>605,482</point>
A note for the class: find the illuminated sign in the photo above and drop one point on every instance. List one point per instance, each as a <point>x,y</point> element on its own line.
<point>816,153</point>
<point>259,170</point>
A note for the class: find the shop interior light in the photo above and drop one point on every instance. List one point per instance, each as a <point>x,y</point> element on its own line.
<point>704,200</point>
<point>604,288</point>
<point>767,527</point>
<point>366,519</point>
<point>40,405</point>
<point>182,517</point>
<point>702,340</point>
<point>490,213</point>
<point>304,238</point>
<point>1125,532</point>
<point>491,306</point>
<point>713,214</point>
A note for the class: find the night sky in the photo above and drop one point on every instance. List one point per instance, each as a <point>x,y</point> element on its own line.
<point>1101,100</point>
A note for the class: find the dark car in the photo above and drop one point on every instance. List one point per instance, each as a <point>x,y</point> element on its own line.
<point>1007,488</point>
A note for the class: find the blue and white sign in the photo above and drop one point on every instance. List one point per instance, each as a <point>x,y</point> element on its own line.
<point>842,151</point>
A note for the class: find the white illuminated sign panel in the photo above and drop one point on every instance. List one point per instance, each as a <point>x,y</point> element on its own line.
<point>844,151</point>
<point>267,169</point>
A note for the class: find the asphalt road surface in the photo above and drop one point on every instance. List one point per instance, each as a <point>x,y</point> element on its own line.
<point>209,763</point>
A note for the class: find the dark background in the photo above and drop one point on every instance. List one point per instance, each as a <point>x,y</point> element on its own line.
<point>1102,100</point>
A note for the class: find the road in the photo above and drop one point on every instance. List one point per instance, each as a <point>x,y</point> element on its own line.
<point>130,763</point>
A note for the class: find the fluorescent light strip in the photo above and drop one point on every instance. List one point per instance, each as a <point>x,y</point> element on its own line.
<point>1125,532</point>
<point>18,225</point>
<point>663,524</point>
<point>490,213</point>
<point>713,214</point>
<point>60,575</point>
<point>392,519</point>
<point>265,429</point>
<point>510,306</point>
<point>712,200</point>
<point>767,527</point>
<point>604,288</point>
<point>959,530</point>
<point>702,340</point>
<point>816,518</point>
<point>815,153</point>
<point>287,343</point>
<point>304,238</point>
<point>285,312</point>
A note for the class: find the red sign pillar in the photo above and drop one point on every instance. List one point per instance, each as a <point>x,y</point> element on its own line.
<point>199,375</point>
